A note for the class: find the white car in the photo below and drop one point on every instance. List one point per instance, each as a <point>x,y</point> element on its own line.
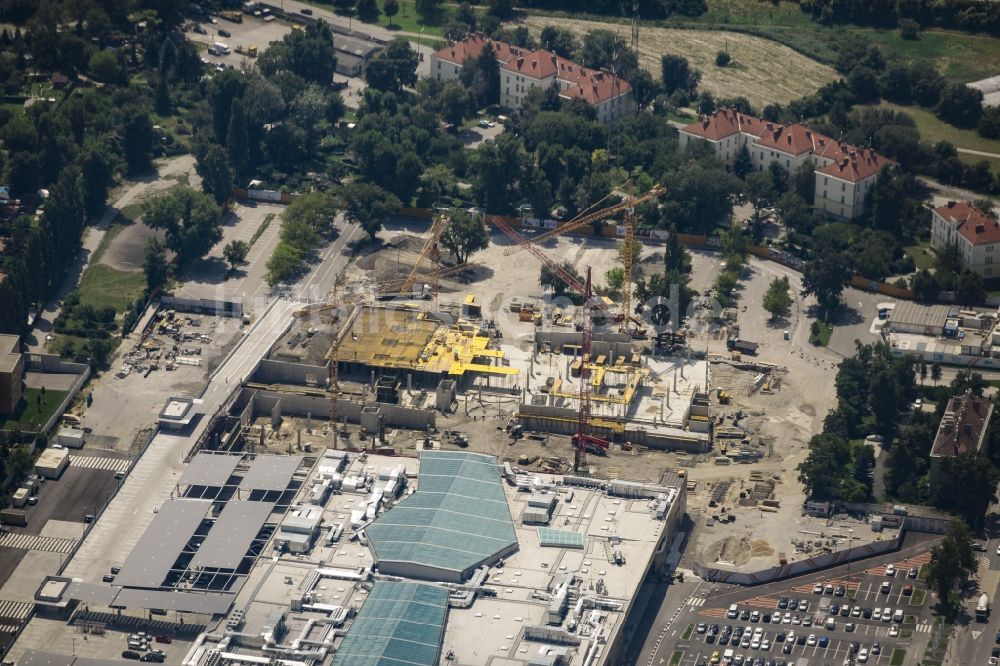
<point>796,620</point>
<point>755,643</point>
<point>890,570</point>
<point>863,656</point>
<point>787,618</point>
<point>877,614</point>
<point>894,630</point>
<point>765,644</point>
<point>856,611</point>
<point>818,588</point>
<point>998,549</point>
<point>755,616</point>
<point>887,615</point>
<point>811,641</point>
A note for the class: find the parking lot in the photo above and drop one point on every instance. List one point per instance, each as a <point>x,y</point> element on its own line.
<point>836,617</point>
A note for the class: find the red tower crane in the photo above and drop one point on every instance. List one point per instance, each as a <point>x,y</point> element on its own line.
<point>582,440</point>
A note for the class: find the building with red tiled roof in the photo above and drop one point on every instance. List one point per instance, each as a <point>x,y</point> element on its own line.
<point>521,70</point>
<point>975,234</point>
<point>962,430</point>
<point>844,174</point>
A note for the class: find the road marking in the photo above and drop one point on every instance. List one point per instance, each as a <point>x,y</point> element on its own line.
<point>14,610</point>
<point>118,465</point>
<point>976,634</point>
<point>700,601</point>
<point>35,542</point>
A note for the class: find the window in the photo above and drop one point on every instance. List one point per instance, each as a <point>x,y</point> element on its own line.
<point>824,180</point>
<point>989,260</point>
<point>788,163</point>
<point>824,194</point>
<point>841,198</point>
<point>843,187</point>
<point>841,211</point>
<point>989,271</point>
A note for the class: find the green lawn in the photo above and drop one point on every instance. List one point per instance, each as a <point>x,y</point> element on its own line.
<point>918,598</point>
<point>922,258</point>
<point>408,20</point>
<point>974,159</point>
<point>822,337</point>
<point>102,285</point>
<point>898,655</point>
<point>676,657</point>
<point>933,130</point>
<point>687,632</point>
<point>34,410</point>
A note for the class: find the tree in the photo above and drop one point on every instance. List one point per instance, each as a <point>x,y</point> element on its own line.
<point>777,300</point>
<point>390,8</point>
<point>960,105</point>
<point>824,277</point>
<point>428,9</point>
<point>465,234</point>
<point>456,103</point>
<point>677,74</point>
<point>137,141</point>
<point>237,140</point>
<point>217,176</point>
<point>936,372</point>
<point>760,190</point>
<point>482,76</point>
<point>908,28</point>
<point>98,165</point>
<point>105,67</point>
<point>394,67</point>
<point>558,40</point>
<point>367,204</point>
<point>969,290</point>
<point>192,221</point>
<point>722,59</point>
<point>155,265</point>
<point>742,163</point>
<point>549,278</point>
<point>235,253</point>
<point>863,82</point>
<point>952,562</point>
<point>822,471</point>
<point>925,285</point>
<point>284,262</point>
<point>967,486</point>
<point>923,371</point>
<point>706,103</point>
<point>502,9</point>
<point>367,10</point>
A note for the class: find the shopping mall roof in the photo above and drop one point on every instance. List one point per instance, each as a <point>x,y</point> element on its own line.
<point>210,469</point>
<point>457,520</point>
<point>400,624</point>
<point>230,538</point>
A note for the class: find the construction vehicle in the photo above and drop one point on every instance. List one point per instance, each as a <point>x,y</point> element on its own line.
<point>233,16</point>
<point>592,444</point>
<point>725,397</point>
<point>744,346</point>
<point>249,51</point>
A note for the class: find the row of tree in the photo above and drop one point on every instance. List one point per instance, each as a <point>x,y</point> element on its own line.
<point>959,14</point>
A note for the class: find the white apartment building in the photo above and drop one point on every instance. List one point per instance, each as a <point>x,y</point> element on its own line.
<point>845,174</point>
<point>521,70</point>
<point>974,233</point>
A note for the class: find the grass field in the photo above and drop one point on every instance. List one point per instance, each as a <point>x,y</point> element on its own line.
<point>102,285</point>
<point>898,655</point>
<point>921,258</point>
<point>933,130</point>
<point>752,73</point>
<point>822,337</point>
<point>34,412</point>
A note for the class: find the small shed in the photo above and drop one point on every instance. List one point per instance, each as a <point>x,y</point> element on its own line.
<point>52,462</point>
<point>71,438</point>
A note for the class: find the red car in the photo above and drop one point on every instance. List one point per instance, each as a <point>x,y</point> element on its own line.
<point>164,639</point>
<point>907,590</point>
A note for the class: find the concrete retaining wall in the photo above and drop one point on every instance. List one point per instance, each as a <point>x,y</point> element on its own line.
<point>291,404</point>
<point>55,364</point>
<point>802,566</point>
<point>224,308</point>
<point>299,374</point>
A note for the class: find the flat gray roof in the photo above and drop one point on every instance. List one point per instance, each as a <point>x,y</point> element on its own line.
<point>915,314</point>
<point>209,469</point>
<point>230,537</point>
<point>91,593</point>
<point>271,472</point>
<point>41,658</point>
<point>212,603</point>
<point>160,545</point>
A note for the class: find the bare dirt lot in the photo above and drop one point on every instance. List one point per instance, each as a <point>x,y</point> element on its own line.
<point>752,72</point>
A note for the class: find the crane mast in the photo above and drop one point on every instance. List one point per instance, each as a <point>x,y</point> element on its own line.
<point>583,415</point>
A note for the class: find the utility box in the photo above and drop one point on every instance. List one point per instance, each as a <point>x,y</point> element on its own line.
<point>21,496</point>
<point>18,517</point>
<point>71,438</point>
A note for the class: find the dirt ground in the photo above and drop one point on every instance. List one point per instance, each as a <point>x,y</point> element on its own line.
<point>751,73</point>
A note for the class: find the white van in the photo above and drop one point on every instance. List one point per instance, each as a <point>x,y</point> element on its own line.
<point>734,612</point>
<point>898,616</point>
<point>830,624</point>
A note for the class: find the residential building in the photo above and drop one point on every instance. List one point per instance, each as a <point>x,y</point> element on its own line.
<point>11,373</point>
<point>522,70</point>
<point>975,234</point>
<point>962,430</point>
<point>845,174</point>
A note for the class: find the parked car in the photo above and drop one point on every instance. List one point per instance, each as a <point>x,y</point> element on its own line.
<point>890,570</point>
<point>131,654</point>
<point>224,33</point>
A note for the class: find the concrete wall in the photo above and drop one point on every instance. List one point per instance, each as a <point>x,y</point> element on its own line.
<point>318,406</point>
<point>802,566</point>
<point>53,363</point>
<point>563,421</point>
<point>213,306</point>
<point>283,372</point>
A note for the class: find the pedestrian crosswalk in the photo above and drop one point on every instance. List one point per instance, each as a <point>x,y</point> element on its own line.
<point>119,465</point>
<point>923,628</point>
<point>36,542</point>
<point>14,610</point>
<point>696,601</point>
